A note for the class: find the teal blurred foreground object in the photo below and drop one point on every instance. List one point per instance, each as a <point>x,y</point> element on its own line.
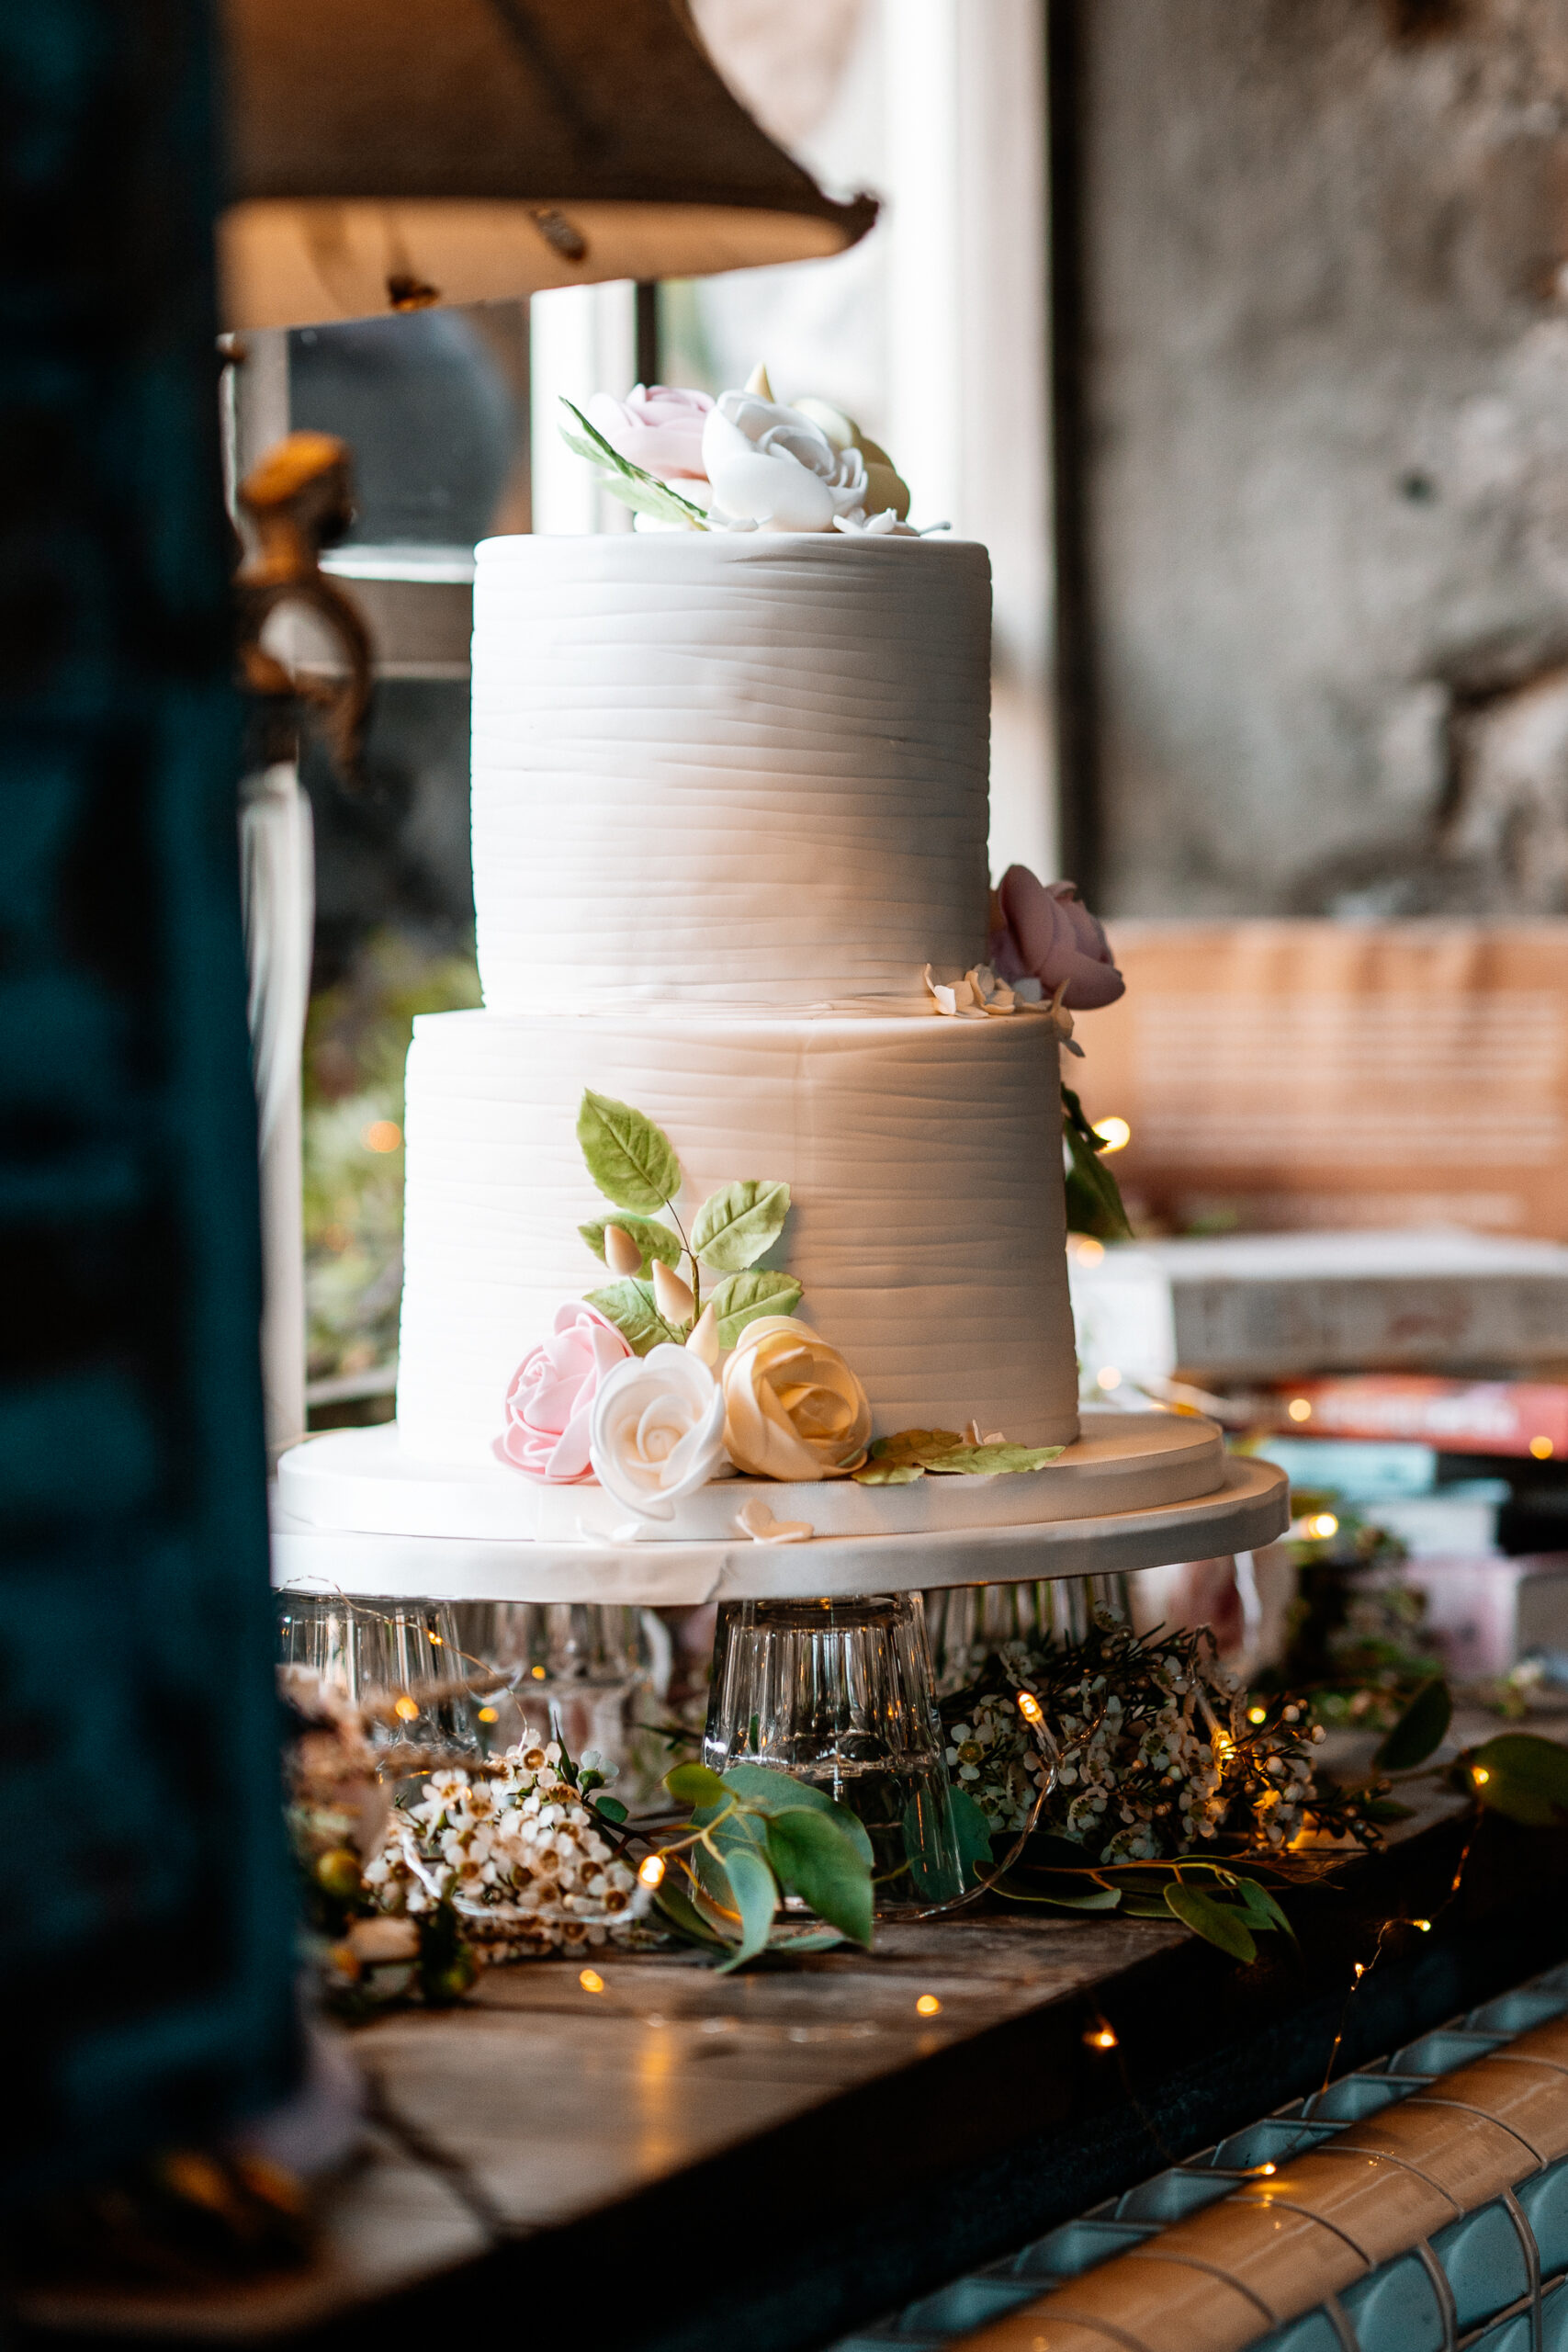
<point>146,1927</point>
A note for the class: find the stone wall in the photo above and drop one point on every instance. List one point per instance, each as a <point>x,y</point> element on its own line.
<point>1324,249</point>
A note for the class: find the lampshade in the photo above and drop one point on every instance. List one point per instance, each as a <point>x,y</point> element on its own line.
<point>394,154</point>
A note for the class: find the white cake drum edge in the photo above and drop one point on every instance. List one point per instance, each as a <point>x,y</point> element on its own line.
<point>1251,1508</point>
<point>360,1481</point>
<point>1145,1489</point>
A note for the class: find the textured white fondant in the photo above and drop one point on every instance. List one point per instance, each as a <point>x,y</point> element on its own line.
<point>728,770</point>
<point>924,1156</point>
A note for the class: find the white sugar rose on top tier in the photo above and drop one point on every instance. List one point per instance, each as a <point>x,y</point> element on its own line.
<point>772,467</point>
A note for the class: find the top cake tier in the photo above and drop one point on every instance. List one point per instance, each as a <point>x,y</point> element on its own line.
<point>724,769</point>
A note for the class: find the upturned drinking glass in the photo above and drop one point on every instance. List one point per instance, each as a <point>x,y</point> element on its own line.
<point>404,1653</point>
<point>840,1693</point>
<point>968,1621</point>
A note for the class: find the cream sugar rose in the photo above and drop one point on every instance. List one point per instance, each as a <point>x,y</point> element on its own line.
<point>729,796</point>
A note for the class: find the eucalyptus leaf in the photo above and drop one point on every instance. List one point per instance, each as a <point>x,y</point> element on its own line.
<point>766,1791</point>
<point>655,1240</point>
<point>972,1827</point>
<point>1221,1924</point>
<point>1522,1776</point>
<point>887,1474</point>
<point>744,1298</point>
<point>611,1807</point>
<point>1264,1915</point>
<point>815,1861</point>
<point>1094,1199</point>
<point>754,1894</point>
<point>632,1161</point>
<point>683,1915</point>
<point>807,1935</point>
<point>694,1785</point>
<point>1061,1898</point>
<point>629,1305</point>
<point>992,1461</point>
<point>1419,1729</point>
<point>734,1227</point>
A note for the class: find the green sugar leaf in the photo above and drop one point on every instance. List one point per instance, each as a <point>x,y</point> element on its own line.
<point>945,1450</point>
<point>743,1297</point>
<point>887,1474</point>
<point>629,1306</point>
<point>632,1162</point>
<point>992,1461</point>
<point>655,1240</point>
<point>652,496</point>
<point>735,1226</point>
<point>914,1446</point>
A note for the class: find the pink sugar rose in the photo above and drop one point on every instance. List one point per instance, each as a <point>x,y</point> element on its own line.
<point>551,1401</point>
<point>1043,931</point>
<point>658,426</point>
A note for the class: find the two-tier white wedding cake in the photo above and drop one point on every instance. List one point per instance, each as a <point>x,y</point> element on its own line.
<point>735,1219</point>
<point>729,803</point>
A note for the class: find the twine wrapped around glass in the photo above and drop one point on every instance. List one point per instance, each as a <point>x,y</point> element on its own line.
<point>840,1693</point>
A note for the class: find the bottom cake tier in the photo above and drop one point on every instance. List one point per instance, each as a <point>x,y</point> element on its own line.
<point>923,1157</point>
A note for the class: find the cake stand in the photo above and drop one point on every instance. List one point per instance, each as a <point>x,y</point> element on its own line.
<point>1137,1490</point>
<point>822,1666</point>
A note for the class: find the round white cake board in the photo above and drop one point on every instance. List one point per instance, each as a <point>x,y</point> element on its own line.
<point>1137,1491</point>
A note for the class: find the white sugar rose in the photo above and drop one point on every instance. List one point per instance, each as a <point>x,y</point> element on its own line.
<point>774,468</point>
<point>657,1432</point>
<point>793,1407</point>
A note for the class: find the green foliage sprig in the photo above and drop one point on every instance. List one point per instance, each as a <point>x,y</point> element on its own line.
<point>1094,1198</point>
<point>636,1168</point>
<point>756,1834</point>
<point>898,1460</point>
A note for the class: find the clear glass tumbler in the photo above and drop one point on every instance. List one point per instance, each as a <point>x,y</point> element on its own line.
<point>404,1652</point>
<point>840,1693</point>
<point>969,1620</point>
<point>604,1671</point>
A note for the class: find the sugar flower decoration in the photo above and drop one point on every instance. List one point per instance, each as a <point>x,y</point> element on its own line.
<point>772,467</point>
<point>1045,933</point>
<point>551,1397</point>
<point>659,428</point>
<point>656,1431</point>
<point>755,1519</point>
<point>793,1407</point>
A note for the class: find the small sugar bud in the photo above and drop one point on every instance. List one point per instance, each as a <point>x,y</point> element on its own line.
<point>704,1339</point>
<point>670,1294</point>
<point>622,1254</point>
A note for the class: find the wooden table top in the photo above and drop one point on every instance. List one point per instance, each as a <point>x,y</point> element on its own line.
<point>685,2160</point>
